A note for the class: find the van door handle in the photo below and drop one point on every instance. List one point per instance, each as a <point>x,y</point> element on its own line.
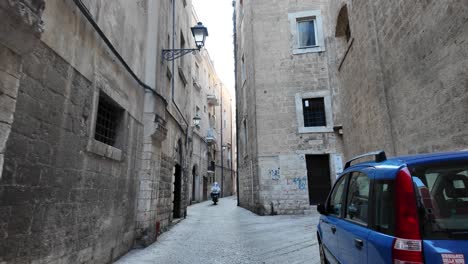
<point>333,229</point>
<point>358,243</point>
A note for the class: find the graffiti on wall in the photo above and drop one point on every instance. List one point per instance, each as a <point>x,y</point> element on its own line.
<point>274,174</point>
<point>301,182</point>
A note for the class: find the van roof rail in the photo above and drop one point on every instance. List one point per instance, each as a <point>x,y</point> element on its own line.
<point>379,156</point>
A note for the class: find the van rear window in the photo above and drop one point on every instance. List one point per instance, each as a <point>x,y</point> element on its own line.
<point>442,194</point>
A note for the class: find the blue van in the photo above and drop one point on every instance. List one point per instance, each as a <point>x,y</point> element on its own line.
<point>408,209</point>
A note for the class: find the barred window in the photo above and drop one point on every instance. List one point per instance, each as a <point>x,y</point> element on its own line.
<point>109,117</point>
<point>314,112</point>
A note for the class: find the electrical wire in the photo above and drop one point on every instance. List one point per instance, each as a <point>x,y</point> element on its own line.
<point>90,19</point>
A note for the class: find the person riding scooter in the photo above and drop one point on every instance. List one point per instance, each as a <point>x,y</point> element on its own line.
<point>215,191</point>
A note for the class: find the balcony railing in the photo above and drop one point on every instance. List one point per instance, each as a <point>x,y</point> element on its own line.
<point>212,99</point>
<point>196,83</point>
<point>211,136</point>
<point>211,167</point>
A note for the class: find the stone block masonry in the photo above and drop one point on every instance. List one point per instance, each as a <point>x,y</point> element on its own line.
<point>274,87</point>
<point>10,69</point>
<point>403,79</point>
<point>58,202</point>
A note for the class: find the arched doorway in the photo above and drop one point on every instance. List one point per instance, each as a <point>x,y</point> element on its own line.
<point>194,183</point>
<point>177,193</point>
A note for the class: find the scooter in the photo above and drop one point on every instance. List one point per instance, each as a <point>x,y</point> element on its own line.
<point>215,197</point>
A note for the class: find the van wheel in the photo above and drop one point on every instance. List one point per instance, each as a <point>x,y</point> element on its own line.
<point>323,259</point>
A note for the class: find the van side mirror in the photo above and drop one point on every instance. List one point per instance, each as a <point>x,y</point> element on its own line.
<point>321,209</point>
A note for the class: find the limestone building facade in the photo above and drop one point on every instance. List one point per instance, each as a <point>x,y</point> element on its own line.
<point>394,73</point>
<point>401,69</point>
<point>289,127</point>
<point>213,137</point>
<point>96,134</point>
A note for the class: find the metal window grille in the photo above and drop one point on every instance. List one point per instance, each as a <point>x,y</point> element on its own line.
<point>108,118</point>
<point>314,112</point>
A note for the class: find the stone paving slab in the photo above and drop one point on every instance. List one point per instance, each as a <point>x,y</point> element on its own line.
<point>226,233</point>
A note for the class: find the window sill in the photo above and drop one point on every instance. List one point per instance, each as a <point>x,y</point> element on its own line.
<point>322,129</point>
<point>315,49</point>
<point>101,149</point>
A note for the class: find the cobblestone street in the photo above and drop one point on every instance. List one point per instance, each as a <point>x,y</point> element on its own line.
<point>229,234</point>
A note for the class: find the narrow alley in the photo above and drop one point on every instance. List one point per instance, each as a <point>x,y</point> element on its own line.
<point>226,233</point>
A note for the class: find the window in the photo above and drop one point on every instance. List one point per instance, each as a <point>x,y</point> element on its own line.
<point>383,212</point>
<point>358,198</point>
<point>197,111</point>
<point>307,34</point>
<point>245,139</point>
<point>314,112</point>
<point>343,35</point>
<point>109,117</point>
<point>243,77</point>
<point>335,203</point>
<point>224,119</point>
<point>182,46</point>
<point>442,192</point>
<point>342,25</point>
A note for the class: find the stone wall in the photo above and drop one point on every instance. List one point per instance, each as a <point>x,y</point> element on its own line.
<point>278,77</point>
<point>165,191</point>
<point>61,199</point>
<point>64,196</point>
<point>401,79</point>
<point>245,108</point>
<point>10,73</point>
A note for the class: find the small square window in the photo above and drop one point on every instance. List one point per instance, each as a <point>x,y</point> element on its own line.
<point>108,121</point>
<point>306,33</point>
<point>314,112</point>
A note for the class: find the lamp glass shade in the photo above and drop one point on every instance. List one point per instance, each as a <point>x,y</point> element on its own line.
<point>196,120</point>
<point>199,34</point>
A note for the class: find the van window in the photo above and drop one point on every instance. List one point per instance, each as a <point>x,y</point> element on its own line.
<point>442,193</point>
<point>358,198</point>
<point>335,203</point>
<point>384,220</point>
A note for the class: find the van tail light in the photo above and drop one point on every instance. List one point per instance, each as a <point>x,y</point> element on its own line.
<point>407,251</point>
<point>407,246</point>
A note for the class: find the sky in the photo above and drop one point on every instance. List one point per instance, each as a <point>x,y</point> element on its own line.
<point>216,15</point>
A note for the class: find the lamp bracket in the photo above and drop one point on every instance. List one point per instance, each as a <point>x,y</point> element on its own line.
<point>172,54</point>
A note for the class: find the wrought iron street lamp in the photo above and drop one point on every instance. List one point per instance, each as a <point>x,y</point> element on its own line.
<point>196,120</point>
<point>199,33</point>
